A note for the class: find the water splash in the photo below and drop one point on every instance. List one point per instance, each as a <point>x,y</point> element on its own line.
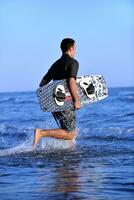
<point>46,145</point>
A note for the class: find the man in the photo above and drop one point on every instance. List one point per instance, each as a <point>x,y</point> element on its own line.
<point>64,68</point>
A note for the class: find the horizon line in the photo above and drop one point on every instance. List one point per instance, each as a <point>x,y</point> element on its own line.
<point>18,91</point>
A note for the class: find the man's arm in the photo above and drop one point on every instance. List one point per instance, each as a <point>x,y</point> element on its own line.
<point>43,82</point>
<point>47,78</point>
<point>73,90</point>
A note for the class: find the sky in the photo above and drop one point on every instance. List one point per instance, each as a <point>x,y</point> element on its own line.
<point>31,32</point>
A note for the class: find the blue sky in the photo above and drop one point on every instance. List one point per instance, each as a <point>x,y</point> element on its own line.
<point>31,32</point>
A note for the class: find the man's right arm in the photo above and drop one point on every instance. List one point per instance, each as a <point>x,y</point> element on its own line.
<point>73,90</point>
<point>72,73</point>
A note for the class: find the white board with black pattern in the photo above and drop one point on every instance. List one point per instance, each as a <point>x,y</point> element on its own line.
<point>55,96</point>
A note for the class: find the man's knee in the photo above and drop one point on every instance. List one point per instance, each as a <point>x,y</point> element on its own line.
<point>73,134</point>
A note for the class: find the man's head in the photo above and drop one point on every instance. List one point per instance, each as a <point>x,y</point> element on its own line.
<point>68,46</point>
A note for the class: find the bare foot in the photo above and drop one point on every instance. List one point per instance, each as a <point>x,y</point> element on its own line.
<point>37,136</point>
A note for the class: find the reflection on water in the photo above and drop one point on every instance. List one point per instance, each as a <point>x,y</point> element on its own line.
<point>75,177</point>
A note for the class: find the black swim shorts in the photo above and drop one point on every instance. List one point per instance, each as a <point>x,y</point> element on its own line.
<point>65,119</point>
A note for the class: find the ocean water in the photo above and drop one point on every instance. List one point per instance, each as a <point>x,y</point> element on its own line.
<point>98,165</point>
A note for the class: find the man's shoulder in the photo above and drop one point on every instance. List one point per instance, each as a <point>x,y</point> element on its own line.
<point>56,63</point>
<point>75,61</point>
<point>71,60</point>
<point>67,60</point>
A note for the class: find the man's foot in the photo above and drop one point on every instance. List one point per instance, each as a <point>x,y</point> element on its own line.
<point>37,136</point>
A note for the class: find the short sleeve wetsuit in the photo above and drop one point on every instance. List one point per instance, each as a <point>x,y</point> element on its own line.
<point>64,68</point>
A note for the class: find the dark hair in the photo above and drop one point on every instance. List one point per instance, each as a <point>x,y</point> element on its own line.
<point>66,44</point>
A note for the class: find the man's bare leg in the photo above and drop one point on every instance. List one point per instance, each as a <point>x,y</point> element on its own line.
<point>55,133</point>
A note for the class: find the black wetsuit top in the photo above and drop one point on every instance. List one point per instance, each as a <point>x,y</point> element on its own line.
<point>64,68</point>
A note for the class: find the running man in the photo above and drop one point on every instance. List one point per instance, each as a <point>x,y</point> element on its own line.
<point>64,68</point>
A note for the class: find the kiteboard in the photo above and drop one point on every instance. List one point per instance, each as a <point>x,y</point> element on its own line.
<point>55,96</point>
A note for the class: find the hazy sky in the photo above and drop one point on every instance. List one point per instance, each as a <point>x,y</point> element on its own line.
<point>31,32</point>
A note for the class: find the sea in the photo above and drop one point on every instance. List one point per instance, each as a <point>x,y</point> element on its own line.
<point>98,165</point>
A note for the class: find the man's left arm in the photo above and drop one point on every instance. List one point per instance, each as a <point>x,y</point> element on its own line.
<point>47,78</point>
<point>72,73</point>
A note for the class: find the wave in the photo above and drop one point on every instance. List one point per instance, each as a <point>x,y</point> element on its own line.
<point>21,140</point>
<point>47,145</point>
<point>22,148</point>
<point>129,114</point>
<point>107,133</point>
<point>127,96</point>
<point>116,131</point>
<point>17,100</point>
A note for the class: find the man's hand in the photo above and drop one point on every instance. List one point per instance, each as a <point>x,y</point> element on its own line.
<point>77,104</point>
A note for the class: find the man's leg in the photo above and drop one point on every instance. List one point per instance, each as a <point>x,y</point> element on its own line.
<point>54,133</point>
<point>67,123</point>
